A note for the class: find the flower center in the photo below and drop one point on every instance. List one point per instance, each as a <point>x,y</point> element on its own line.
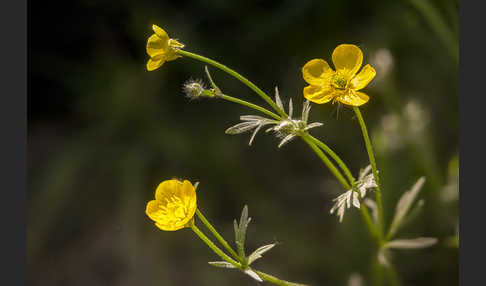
<point>339,81</point>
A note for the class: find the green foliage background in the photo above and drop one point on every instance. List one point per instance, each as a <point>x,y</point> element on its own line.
<point>103,133</point>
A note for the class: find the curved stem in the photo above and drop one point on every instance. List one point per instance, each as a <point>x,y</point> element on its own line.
<point>250,105</point>
<point>233,73</point>
<point>339,176</point>
<point>326,161</point>
<point>216,249</point>
<point>216,234</point>
<point>371,156</point>
<point>275,280</point>
<point>335,157</point>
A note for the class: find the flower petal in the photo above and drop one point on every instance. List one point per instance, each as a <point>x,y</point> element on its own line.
<point>155,62</point>
<point>347,59</point>
<point>364,77</point>
<point>169,227</point>
<point>353,98</point>
<point>152,209</point>
<point>166,189</point>
<point>317,71</point>
<point>157,46</point>
<point>318,94</point>
<point>160,32</point>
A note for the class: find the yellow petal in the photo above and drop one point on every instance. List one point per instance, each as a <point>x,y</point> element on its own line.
<point>157,46</point>
<point>172,56</point>
<point>166,189</point>
<point>362,79</point>
<point>160,32</point>
<point>347,59</point>
<point>152,210</point>
<point>353,98</point>
<point>169,227</point>
<point>317,72</point>
<point>154,64</point>
<point>318,94</point>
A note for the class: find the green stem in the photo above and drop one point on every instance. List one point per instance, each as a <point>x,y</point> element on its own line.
<point>275,280</point>
<point>371,156</point>
<point>216,234</point>
<point>214,247</point>
<point>392,275</point>
<point>250,105</point>
<point>336,158</point>
<point>326,161</point>
<point>369,221</point>
<point>233,73</point>
<point>345,184</point>
<point>228,259</point>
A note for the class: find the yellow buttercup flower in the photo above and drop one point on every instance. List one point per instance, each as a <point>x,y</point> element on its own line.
<point>341,85</point>
<point>174,205</point>
<point>161,48</point>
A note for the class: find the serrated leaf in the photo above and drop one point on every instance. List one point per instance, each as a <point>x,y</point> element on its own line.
<point>420,242</point>
<point>278,101</point>
<point>253,275</point>
<point>404,205</point>
<point>241,127</point>
<point>259,252</point>
<point>222,264</point>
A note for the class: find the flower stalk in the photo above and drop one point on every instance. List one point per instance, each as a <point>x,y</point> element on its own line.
<point>236,75</point>
<point>371,156</point>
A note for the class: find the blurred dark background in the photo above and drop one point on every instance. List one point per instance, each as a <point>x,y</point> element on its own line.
<point>103,133</point>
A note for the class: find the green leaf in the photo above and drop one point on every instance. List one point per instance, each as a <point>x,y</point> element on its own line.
<point>243,225</point>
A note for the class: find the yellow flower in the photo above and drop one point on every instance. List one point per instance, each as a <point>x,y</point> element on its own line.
<point>174,205</point>
<point>341,85</point>
<point>161,48</point>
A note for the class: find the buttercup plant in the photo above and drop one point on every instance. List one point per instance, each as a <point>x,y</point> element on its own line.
<point>174,208</point>
<point>175,202</point>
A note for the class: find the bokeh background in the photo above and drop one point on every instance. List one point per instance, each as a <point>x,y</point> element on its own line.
<point>103,133</point>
